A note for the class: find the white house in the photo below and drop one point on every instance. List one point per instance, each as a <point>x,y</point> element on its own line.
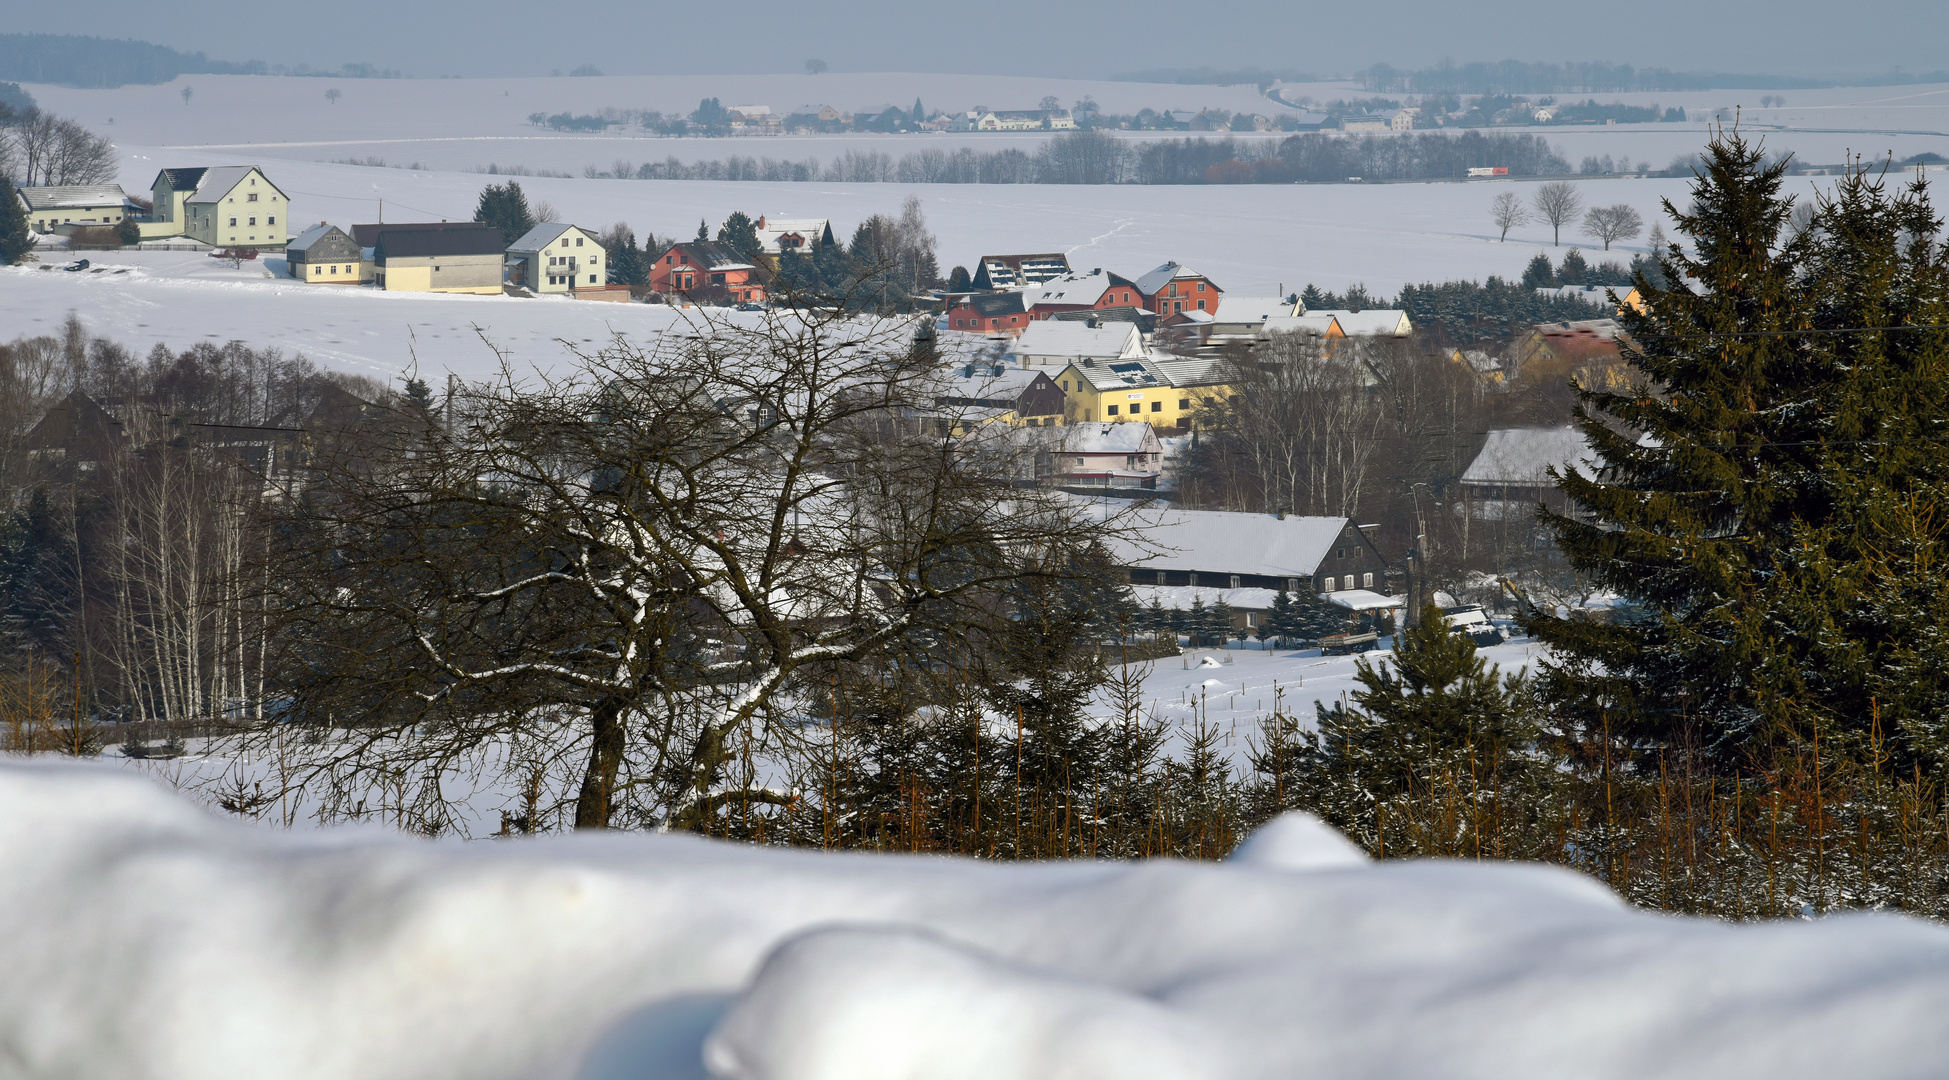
<point>778,235</point>
<point>557,258</point>
<point>225,206</point>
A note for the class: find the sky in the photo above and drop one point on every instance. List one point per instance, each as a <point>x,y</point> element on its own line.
<point>1079,38</point>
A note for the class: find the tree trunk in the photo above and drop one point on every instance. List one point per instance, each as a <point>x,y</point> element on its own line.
<point>605,758</point>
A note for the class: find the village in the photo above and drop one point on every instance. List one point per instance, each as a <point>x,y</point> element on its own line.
<point>1097,383</point>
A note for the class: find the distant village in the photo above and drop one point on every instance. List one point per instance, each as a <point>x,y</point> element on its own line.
<point>1103,376</point>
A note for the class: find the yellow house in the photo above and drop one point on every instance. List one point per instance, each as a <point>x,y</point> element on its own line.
<point>449,260</point>
<point>226,206</point>
<point>1166,393</point>
<point>49,208</point>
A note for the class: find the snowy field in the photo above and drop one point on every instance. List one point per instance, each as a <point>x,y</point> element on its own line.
<point>461,124</point>
<point>1252,240</point>
<point>148,939</point>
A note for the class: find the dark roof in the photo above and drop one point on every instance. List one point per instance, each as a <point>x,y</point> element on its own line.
<point>421,243</point>
<point>990,305</point>
<point>78,425</point>
<point>184,179</point>
<point>1145,319</point>
<point>705,254</point>
<point>368,235</point>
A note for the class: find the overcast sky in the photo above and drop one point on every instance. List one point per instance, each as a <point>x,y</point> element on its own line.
<point>1081,38</point>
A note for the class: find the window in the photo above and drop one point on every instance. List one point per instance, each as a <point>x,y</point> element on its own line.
<point>1366,581</point>
<point>1065,386</point>
<point>233,224</point>
<point>1292,584</point>
<point>1111,411</point>
<point>1339,553</point>
<point>1160,578</point>
<point>253,221</point>
<point>272,220</point>
<point>1156,406</point>
<point>1251,618</point>
<point>594,259</point>
<point>334,269</point>
<point>1192,580</point>
<point>252,197</point>
<point>592,279</point>
<point>1201,288</point>
<point>1079,461</point>
<point>578,241</point>
<point>1201,305</point>
<point>436,269</point>
<point>1234,581</point>
<point>1184,403</point>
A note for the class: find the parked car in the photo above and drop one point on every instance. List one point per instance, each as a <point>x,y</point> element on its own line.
<point>78,264</point>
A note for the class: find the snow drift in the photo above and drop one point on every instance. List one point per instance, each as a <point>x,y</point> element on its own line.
<point>148,939</point>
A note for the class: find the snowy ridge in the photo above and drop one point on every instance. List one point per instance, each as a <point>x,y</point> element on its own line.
<point>149,940</point>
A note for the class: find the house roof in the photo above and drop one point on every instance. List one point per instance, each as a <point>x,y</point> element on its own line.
<point>1072,340</point>
<point>72,195</point>
<point>1079,289</point>
<point>303,241</point>
<point>1142,318</point>
<point>1312,322</point>
<point>993,305</point>
<point>1216,541</point>
<point>181,179</point>
<point>708,255</point>
<point>427,243</point>
<point>980,381</point>
<point>217,182</point>
<point>1374,322</point>
<point>1119,374</point>
<point>1605,329</point>
<point>1130,437</point>
<point>1014,271</point>
<point>1152,283</point>
<point>368,235</point>
<point>813,230</point>
<point>1523,456</point>
<point>1253,310</point>
<point>1187,371</point>
<point>542,235</point>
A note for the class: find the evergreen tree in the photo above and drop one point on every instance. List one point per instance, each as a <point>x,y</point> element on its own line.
<point>1312,299</point>
<point>1280,620</point>
<point>1539,274</point>
<point>628,265</point>
<point>958,280</point>
<point>506,208</point>
<point>741,234</point>
<point>1763,513</point>
<point>919,114</point>
<point>1222,619</point>
<point>128,232</point>
<point>1573,270</point>
<point>15,241</point>
<point>1195,619</point>
<point>703,230</point>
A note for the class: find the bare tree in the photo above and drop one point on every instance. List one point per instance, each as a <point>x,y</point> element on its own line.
<point>333,95</point>
<point>187,92</point>
<point>1558,202</point>
<point>1608,223</point>
<point>1508,212</point>
<point>628,570</point>
<point>815,67</point>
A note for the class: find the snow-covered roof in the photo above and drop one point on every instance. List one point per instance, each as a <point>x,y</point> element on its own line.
<point>1081,289</point>
<point>1374,322</point>
<point>1589,294</point>
<point>68,196</point>
<point>217,182</point>
<point>1186,371</point>
<point>1312,323</point>
<point>1099,437</point>
<point>1253,309</point>
<point>1171,271</point>
<point>1062,341</point>
<point>539,237</point>
<point>981,382</point>
<point>1180,597</point>
<point>1523,456</point>
<point>1363,600</point>
<point>1217,541</point>
<point>303,241</point>
<point>810,230</point>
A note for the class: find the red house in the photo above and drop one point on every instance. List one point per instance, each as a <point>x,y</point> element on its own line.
<point>1084,292</point>
<point>707,270</point>
<point>989,313</point>
<point>1172,288</point>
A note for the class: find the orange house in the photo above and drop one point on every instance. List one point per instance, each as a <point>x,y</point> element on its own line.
<point>1093,291</point>
<point>989,313</point>
<point>1173,287</point>
<point>707,270</point>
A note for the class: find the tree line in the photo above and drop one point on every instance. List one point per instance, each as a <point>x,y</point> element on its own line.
<point>75,60</point>
<point>1098,157</point>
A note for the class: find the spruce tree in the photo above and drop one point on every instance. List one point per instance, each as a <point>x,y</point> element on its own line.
<point>703,231</point>
<point>1311,298</point>
<point>1764,512</point>
<point>15,241</point>
<point>1573,270</point>
<point>1539,274</point>
<point>741,235</point>
<point>505,207</point>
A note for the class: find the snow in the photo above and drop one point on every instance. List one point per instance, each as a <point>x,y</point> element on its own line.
<point>150,940</point>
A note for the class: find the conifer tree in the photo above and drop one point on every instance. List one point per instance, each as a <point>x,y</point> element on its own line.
<point>1539,274</point>
<point>1312,298</point>
<point>1573,270</point>
<point>15,242</point>
<point>505,207</point>
<point>1765,512</point>
<point>742,236</point>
